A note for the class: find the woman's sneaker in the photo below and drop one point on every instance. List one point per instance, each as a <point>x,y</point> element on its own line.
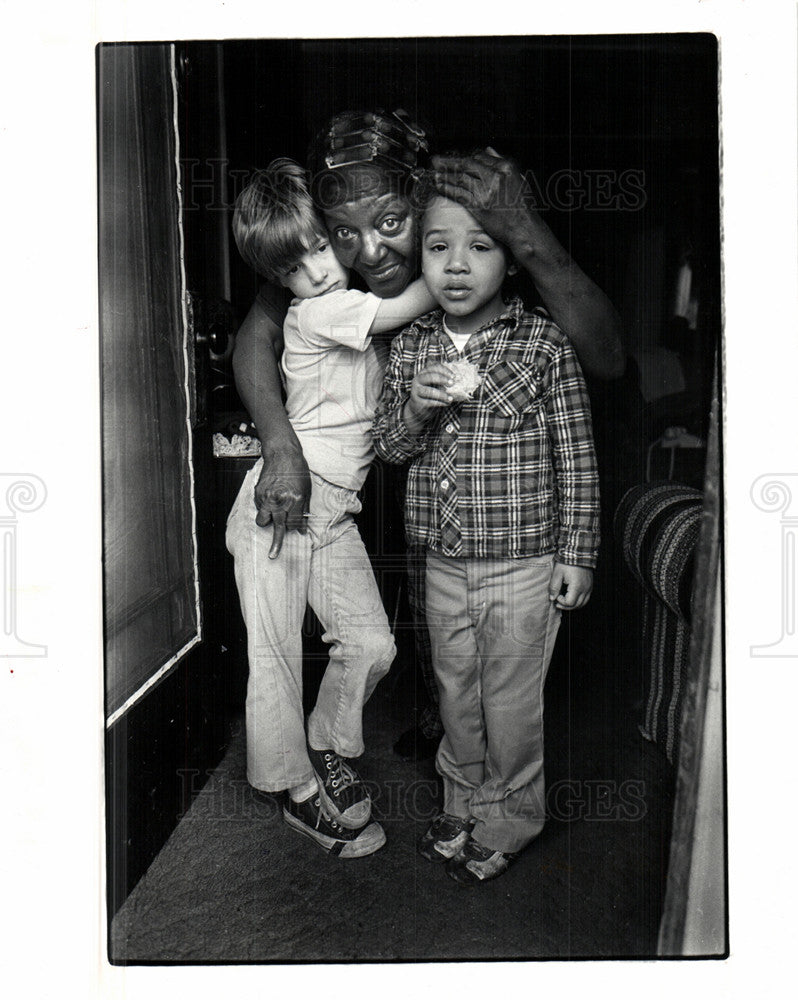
<point>446,836</point>
<point>342,791</point>
<point>311,819</point>
<point>475,864</point>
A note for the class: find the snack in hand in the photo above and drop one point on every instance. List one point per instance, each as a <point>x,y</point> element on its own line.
<point>466,379</point>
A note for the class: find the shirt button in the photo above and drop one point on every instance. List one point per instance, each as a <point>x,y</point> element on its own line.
<point>444,484</point>
<point>450,428</point>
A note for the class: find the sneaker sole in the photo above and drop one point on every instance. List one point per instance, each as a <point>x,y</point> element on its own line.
<point>356,816</point>
<point>477,872</point>
<point>429,851</point>
<point>370,840</point>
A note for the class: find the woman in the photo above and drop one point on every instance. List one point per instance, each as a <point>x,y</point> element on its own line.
<point>362,168</point>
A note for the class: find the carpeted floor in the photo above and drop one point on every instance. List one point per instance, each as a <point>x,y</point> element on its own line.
<point>233,883</point>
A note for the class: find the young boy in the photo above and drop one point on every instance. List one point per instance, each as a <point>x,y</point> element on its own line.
<point>488,403</point>
<point>332,379</point>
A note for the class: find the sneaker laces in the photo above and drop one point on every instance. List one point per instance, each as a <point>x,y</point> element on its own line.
<point>322,814</point>
<point>340,774</point>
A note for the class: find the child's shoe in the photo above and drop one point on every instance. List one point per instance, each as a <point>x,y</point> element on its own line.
<point>445,837</point>
<point>475,864</point>
<point>310,819</point>
<point>342,791</point>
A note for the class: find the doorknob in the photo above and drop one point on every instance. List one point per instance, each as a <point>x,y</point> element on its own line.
<point>212,326</point>
<point>213,322</point>
<point>216,337</point>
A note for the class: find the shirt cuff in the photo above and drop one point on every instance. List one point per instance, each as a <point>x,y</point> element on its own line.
<point>578,548</point>
<point>397,440</point>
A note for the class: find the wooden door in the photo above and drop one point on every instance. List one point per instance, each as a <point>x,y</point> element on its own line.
<point>164,728</point>
<point>152,609</point>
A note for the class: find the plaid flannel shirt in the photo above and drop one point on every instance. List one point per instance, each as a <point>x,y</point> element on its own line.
<point>512,471</point>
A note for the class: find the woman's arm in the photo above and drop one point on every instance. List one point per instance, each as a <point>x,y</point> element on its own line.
<point>494,191</point>
<point>402,309</point>
<point>282,494</point>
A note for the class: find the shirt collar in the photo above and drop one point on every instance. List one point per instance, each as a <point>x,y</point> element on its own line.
<point>510,316</point>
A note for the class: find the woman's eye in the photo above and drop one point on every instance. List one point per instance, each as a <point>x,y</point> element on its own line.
<point>390,225</point>
<point>343,234</point>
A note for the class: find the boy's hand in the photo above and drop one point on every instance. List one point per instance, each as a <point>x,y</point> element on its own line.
<point>427,394</point>
<point>578,584</point>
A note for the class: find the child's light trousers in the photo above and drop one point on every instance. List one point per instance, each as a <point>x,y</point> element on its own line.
<point>493,629</point>
<point>329,569</point>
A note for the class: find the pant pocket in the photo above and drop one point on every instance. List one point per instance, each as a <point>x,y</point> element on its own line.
<point>330,504</point>
<point>243,505</point>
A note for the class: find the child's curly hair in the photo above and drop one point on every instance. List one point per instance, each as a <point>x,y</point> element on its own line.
<point>424,192</point>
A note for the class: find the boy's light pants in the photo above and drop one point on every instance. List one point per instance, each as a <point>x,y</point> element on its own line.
<point>493,629</point>
<point>329,569</point>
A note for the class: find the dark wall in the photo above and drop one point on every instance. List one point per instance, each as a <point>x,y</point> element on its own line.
<point>470,91</point>
<point>643,103</point>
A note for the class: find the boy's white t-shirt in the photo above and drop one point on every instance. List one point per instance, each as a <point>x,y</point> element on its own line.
<point>333,380</point>
<point>458,339</point>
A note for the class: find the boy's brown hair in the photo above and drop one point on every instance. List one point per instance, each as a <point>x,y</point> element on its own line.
<point>274,220</point>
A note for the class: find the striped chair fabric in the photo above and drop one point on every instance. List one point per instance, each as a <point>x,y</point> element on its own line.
<point>658,526</point>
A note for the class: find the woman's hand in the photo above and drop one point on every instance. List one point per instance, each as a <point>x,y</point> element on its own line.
<point>577,582</point>
<point>490,187</point>
<point>282,495</point>
<point>427,394</point>
<point>496,193</point>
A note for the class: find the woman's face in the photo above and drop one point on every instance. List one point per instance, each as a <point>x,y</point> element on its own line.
<point>375,234</point>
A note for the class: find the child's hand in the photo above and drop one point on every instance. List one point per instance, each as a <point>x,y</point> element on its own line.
<point>578,583</point>
<point>427,394</point>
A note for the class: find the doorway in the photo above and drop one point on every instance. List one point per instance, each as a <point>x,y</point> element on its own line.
<point>621,136</point>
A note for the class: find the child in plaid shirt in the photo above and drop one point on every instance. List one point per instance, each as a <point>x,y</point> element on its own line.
<point>488,404</point>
